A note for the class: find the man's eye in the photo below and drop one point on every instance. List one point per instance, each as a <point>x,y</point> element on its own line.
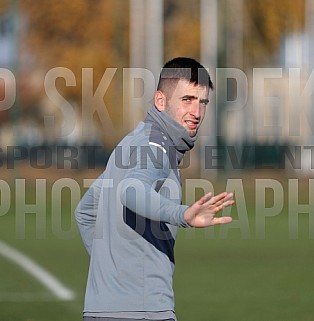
<point>204,102</point>
<point>186,99</point>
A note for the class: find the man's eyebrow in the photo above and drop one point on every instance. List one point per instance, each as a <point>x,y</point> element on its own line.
<point>204,101</point>
<point>188,97</point>
<point>191,97</point>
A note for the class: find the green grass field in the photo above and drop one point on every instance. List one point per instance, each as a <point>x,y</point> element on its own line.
<point>218,277</point>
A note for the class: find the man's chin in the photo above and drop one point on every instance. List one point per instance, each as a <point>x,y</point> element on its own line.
<point>192,133</point>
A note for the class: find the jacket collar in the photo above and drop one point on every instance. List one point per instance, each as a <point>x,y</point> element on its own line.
<point>179,136</point>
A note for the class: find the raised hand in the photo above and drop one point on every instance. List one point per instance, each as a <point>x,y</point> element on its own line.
<point>202,213</point>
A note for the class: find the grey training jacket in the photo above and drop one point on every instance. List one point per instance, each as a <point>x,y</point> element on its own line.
<point>128,221</point>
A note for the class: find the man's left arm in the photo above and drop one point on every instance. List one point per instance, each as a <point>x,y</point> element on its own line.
<point>138,193</point>
<point>139,190</point>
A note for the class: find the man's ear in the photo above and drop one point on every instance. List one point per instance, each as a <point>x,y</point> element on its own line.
<point>160,100</point>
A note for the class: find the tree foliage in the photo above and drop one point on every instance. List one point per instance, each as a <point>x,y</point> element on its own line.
<point>95,34</point>
<point>182,28</point>
<point>77,34</point>
<point>267,22</point>
<point>3,5</point>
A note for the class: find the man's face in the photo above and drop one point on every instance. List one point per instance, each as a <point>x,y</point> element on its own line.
<point>187,105</point>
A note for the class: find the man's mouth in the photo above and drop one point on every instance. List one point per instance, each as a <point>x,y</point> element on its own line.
<point>191,124</point>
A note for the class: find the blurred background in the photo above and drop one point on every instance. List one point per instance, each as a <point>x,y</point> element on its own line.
<point>76,76</point>
<point>85,38</point>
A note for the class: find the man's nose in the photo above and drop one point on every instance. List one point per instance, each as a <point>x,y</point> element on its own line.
<point>196,109</point>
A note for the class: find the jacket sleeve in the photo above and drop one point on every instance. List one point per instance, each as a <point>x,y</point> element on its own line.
<point>86,213</point>
<point>141,189</point>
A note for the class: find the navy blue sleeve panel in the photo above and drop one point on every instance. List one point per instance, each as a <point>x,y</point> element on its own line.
<point>156,233</point>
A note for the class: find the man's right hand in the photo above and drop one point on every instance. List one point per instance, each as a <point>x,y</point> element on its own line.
<point>203,212</point>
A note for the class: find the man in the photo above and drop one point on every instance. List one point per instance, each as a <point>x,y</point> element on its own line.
<point>129,217</point>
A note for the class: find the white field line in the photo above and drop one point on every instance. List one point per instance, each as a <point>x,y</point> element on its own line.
<point>39,273</point>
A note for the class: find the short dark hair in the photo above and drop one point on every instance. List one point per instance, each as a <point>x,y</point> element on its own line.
<point>185,69</point>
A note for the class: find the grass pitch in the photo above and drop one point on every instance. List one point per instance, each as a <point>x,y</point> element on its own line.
<point>217,278</point>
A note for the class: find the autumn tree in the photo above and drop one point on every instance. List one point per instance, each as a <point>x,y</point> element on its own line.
<point>266,23</point>
<point>182,28</point>
<point>74,35</point>
<point>95,34</point>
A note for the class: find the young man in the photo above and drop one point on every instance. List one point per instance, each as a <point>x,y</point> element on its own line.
<point>129,217</point>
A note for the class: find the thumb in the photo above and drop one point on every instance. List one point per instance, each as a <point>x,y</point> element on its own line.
<point>222,220</point>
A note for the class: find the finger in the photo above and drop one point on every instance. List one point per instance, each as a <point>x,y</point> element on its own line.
<point>218,199</point>
<point>229,196</point>
<point>219,206</point>
<point>227,201</point>
<point>205,198</point>
<point>222,220</point>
